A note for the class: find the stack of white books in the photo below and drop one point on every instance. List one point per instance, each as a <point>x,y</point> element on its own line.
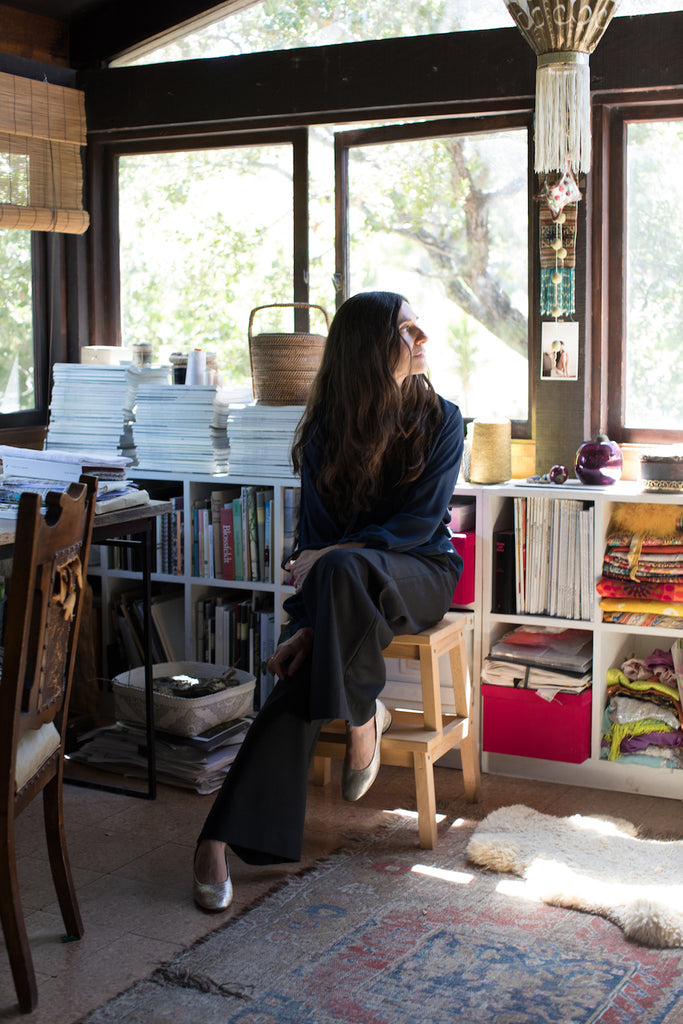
<point>92,405</point>
<point>262,435</point>
<point>183,429</point>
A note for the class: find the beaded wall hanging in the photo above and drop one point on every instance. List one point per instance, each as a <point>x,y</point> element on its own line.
<point>557,242</point>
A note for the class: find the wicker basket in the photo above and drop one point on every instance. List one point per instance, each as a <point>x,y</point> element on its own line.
<point>283,365</point>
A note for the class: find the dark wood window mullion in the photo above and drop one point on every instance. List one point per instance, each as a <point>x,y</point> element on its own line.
<point>616,282</point>
<point>301,238</point>
<point>341,215</point>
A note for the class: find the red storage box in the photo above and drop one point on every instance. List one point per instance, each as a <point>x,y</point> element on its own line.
<point>464,545</point>
<point>521,723</point>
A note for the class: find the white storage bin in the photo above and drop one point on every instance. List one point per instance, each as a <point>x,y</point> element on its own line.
<point>185,716</point>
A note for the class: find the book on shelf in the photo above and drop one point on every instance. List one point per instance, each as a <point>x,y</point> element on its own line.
<point>232,630</point>
<point>504,600</point>
<point>262,496</point>
<point>220,499</point>
<point>128,622</point>
<point>252,563</point>
<point>291,498</point>
<point>227,543</point>
<point>168,616</point>
<point>237,537</point>
<point>519,509</point>
<point>268,541</point>
<point>553,559</point>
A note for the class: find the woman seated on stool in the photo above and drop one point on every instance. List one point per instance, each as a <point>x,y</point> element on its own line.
<point>378,452</point>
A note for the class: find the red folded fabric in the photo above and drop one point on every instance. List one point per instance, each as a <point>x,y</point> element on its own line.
<point>608,586</point>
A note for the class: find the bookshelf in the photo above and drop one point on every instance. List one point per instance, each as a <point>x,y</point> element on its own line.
<point>612,643</point>
<point>185,585</point>
<point>494,505</point>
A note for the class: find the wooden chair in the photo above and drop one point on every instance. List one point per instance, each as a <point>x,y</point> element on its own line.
<point>417,739</point>
<point>41,628</point>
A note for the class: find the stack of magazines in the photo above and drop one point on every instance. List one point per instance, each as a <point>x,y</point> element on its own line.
<point>183,429</point>
<point>543,658</point>
<point>193,762</point>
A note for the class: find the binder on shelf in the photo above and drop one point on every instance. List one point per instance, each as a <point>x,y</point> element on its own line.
<point>504,601</point>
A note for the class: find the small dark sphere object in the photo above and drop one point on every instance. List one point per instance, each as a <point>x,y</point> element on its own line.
<point>558,474</point>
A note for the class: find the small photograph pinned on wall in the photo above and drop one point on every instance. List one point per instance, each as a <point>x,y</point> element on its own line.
<point>559,351</point>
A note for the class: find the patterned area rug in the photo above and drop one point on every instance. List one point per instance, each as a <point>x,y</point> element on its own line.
<point>385,933</point>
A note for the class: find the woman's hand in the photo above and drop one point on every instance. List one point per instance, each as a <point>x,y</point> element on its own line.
<point>291,654</point>
<point>300,566</point>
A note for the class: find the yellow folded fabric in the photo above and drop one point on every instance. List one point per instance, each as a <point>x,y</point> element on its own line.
<point>629,604</point>
<point>614,677</point>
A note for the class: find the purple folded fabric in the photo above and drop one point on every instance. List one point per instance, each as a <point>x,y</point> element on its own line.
<point>634,744</point>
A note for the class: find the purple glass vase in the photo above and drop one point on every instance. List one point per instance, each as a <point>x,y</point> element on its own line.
<point>599,462</point>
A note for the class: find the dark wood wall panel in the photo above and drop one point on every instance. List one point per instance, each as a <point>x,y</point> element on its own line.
<point>33,37</point>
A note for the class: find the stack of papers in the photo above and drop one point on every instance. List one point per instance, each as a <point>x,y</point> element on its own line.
<point>262,435</point>
<point>39,472</point>
<point>543,658</point>
<point>188,763</point>
<point>182,429</point>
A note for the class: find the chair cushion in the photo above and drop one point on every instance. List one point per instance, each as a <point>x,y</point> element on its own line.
<point>34,747</point>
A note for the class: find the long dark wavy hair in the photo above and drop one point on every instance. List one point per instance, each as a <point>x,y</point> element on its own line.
<point>372,431</point>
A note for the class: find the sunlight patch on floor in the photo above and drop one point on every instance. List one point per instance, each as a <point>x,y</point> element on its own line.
<point>458,877</point>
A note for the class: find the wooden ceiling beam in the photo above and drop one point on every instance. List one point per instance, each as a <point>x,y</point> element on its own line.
<point>33,37</point>
<point>413,76</point>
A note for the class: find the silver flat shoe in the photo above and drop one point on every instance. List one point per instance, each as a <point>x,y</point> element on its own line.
<point>357,781</point>
<point>212,895</point>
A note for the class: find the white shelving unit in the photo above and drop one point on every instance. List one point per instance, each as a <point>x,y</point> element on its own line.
<point>191,488</point>
<point>611,643</point>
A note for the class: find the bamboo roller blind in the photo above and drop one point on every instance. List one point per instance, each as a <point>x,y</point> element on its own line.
<point>42,129</point>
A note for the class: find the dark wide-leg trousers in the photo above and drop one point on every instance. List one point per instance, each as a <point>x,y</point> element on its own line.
<point>356,600</point>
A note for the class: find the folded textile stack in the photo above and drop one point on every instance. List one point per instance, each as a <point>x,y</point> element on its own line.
<point>547,659</point>
<point>643,720</point>
<point>642,572</point>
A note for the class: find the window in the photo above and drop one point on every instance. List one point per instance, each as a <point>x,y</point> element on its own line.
<point>654,270</point>
<point>645,256</point>
<point>439,212</point>
<point>17,387</point>
<point>260,26</point>
<point>205,236</point>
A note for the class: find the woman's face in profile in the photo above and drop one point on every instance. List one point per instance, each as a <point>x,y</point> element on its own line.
<point>413,358</point>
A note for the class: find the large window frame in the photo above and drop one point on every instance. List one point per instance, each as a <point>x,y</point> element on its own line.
<point>49,302</point>
<point>439,128</point>
<point>608,286</point>
<point>104,289</point>
<point>105,270</point>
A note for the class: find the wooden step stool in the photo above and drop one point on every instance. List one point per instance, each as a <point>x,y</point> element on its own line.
<point>419,738</point>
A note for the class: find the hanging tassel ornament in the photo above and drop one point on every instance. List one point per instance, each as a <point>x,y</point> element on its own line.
<point>562,34</point>
<point>563,112</point>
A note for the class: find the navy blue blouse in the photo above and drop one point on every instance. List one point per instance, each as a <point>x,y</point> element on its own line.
<point>412,519</point>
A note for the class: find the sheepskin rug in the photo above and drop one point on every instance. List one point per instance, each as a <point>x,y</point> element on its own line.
<point>598,865</point>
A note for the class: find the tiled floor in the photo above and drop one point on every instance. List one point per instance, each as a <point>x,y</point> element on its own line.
<point>131,861</point>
